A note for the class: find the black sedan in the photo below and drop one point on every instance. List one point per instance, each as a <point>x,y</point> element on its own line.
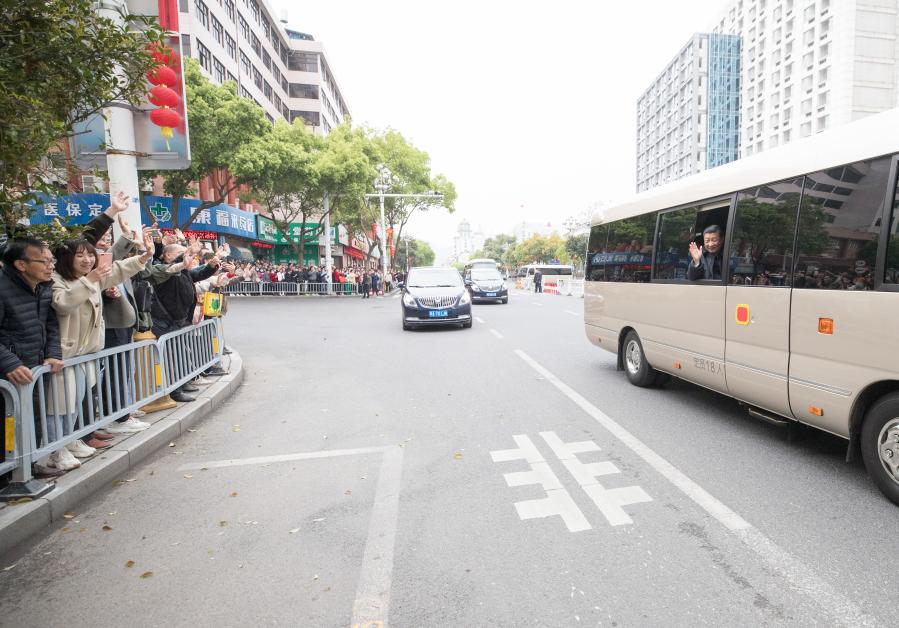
<point>434,295</point>
<point>486,284</point>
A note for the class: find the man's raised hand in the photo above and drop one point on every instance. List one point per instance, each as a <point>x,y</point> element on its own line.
<point>695,253</point>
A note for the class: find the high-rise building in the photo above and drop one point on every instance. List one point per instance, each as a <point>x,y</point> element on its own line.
<point>284,71</point>
<point>688,118</point>
<point>805,66</point>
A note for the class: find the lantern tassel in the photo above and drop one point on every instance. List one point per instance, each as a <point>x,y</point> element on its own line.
<point>167,134</point>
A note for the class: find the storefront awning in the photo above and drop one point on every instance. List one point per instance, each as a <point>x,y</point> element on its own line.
<point>353,252</point>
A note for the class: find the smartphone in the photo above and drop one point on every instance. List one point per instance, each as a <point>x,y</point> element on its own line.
<point>104,260</point>
<point>154,233</point>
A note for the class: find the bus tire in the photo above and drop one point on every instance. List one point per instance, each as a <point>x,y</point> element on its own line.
<point>880,445</point>
<point>636,366</point>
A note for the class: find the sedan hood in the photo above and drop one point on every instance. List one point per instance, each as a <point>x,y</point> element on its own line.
<point>418,293</point>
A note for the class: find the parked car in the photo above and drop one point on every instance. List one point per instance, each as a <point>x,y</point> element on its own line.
<point>435,295</point>
<point>486,284</point>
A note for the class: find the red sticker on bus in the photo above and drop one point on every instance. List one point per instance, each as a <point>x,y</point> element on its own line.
<point>742,314</point>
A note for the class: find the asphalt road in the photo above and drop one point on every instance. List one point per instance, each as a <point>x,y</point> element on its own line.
<point>364,474</point>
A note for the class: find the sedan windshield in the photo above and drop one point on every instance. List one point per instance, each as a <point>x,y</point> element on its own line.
<point>434,278</point>
<point>485,275</point>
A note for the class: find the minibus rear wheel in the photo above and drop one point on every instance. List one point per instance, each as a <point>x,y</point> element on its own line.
<point>636,366</point>
<point>880,445</point>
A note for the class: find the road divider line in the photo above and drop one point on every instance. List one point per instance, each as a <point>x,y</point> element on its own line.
<point>497,334</point>
<point>797,575</point>
<point>535,303</point>
<point>572,313</point>
<point>479,319</point>
<point>241,462</point>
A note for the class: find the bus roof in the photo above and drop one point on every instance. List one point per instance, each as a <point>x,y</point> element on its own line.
<point>869,137</point>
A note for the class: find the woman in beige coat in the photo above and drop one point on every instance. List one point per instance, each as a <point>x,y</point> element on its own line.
<point>78,283</point>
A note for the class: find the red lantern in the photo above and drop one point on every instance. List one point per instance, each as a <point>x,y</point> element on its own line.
<point>167,119</point>
<point>163,96</point>
<point>161,53</point>
<point>162,75</point>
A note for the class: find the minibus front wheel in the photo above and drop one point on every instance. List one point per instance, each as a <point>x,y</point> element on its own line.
<point>880,445</point>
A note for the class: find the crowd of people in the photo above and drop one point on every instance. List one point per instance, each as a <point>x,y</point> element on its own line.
<point>354,279</point>
<point>89,293</point>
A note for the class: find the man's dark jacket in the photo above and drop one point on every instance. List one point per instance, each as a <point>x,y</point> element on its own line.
<point>175,300</point>
<point>29,330</point>
<point>709,267</point>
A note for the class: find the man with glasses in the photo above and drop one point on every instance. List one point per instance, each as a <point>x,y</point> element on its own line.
<point>29,331</point>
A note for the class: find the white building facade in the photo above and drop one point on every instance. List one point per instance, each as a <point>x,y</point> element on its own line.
<point>284,71</point>
<point>804,66</point>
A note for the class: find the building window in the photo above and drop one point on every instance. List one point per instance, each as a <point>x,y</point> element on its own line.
<point>230,46</point>
<point>301,90</point>
<point>205,57</point>
<point>245,64</point>
<point>229,9</point>
<point>267,91</point>
<point>244,27</point>
<point>310,118</point>
<point>218,33</point>
<point>302,61</point>
<point>284,86</point>
<point>218,70</point>
<point>202,12</point>
<point>257,77</point>
<point>232,78</point>
<point>266,60</point>
<point>257,47</point>
<point>254,10</point>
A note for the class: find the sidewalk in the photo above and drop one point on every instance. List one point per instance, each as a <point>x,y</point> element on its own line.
<point>19,521</point>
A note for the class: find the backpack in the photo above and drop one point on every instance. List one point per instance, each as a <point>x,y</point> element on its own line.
<point>143,299</point>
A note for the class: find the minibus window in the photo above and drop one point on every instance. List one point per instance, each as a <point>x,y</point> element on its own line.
<point>676,231</point>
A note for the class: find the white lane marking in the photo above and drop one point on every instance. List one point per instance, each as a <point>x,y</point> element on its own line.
<point>608,501</point>
<point>797,575</point>
<point>479,319</point>
<point>557,501</point>
<point>496,333</point>
<point>373,589</point>
<point>372,604</point>
<point>573,313</point>
<point>535,303</point>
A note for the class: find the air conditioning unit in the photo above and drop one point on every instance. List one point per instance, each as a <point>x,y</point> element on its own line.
<point>92,184</point>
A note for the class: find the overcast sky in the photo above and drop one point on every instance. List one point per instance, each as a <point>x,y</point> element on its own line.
<point>528,107</point>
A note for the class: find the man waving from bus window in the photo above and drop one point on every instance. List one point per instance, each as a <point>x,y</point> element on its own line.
<point>706,258</point>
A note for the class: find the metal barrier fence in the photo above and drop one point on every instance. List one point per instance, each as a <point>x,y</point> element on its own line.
<point>94,390</point>
<point>285,288</point>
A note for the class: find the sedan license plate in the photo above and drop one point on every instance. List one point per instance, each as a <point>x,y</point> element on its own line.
<point>438,313</point>
<point>491,294</point>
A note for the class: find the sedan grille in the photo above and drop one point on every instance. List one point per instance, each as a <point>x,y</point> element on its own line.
<point>437,301</point>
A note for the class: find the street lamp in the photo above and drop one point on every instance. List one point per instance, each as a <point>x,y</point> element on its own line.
<point>382,184</point>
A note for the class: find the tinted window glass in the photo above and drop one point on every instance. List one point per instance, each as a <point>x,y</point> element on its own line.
<point>761,250</point>
<point>838,231</point>
<point>675,234</point>
<point>429,278</point>
<point>891,272</point>
<point>628,254</point>
<point>598,243</point>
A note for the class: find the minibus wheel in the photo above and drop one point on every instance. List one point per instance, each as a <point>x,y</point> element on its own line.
<point>636,366</point>
<point>880,445</point>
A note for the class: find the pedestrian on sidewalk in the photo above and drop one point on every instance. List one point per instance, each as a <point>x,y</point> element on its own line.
<point>366,285</point>
<point>538,281</point>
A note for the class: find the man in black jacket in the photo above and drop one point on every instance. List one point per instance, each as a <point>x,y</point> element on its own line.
<point>176,298</point>
<point>706,259</point>
<point>29,330</point>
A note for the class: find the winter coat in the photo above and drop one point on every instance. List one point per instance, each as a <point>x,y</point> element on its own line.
<point>29,330</point>
<point>173,307</point>
<point>78,305</point>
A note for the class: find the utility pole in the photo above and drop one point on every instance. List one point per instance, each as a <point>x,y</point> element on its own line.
<point>121,150</point>
<point>328,269</point>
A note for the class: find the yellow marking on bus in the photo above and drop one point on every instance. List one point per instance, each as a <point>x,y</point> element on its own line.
<point>10,434</point>
<point>742,314</point>
<point>158,375</point>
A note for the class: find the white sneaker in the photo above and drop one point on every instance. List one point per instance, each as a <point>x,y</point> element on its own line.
<point>80,450</point>
<point>130,426</point>
<point>136,414</point>
<point>202,381</point>
<point>63,460</point>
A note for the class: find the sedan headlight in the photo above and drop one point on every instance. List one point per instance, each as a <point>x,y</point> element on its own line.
<point>409,300</point>
<point>465,299</point>
<point>475,287</point>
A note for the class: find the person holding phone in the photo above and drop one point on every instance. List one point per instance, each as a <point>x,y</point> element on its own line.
<point>79,280</point>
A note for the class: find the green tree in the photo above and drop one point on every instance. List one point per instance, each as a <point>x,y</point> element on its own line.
<point>420,253</point>
<point>221,125</point>
<point>60,63</point>
<point>495,247</point>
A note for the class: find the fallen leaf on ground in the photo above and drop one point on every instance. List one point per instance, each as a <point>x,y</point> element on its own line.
<point>204,469</point>
<point>362,478</point>
<point>294,531</point>
<point>171,444</point>
<point>129,564</point>
<point>234,494</point>
<point>348,492</point>
<point>146,574</point>
<point>458,455</point>
<point>236,428</point>
<point>187,476</point>
<point>106,528</point>
<point>11,567</point>
<point>21,500</point>
<point>315,577</point>
<point>130,480</point>
<point>222,524</point>
<point>318,520</point>
<point>69,515</point>
<point>191,430</point>
<point>113,513</point>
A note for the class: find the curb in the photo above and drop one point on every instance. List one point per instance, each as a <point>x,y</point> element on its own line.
<point>19,522</point>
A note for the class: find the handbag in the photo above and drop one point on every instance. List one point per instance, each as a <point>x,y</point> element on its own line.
<point>213,303</point>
